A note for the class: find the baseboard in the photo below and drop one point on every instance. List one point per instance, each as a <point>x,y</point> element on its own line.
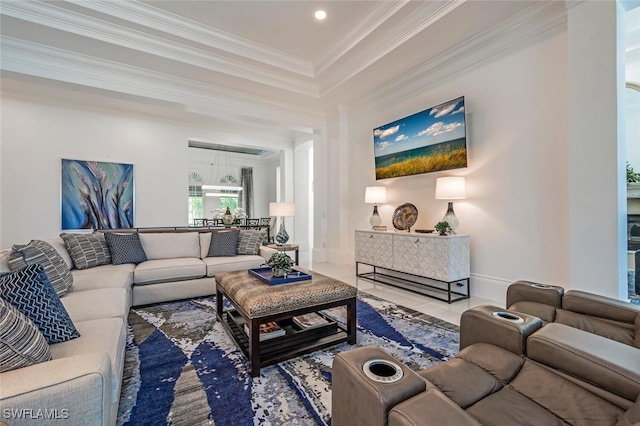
<point>319,255</point>
<point>491,288</point>
<point>340,257</point>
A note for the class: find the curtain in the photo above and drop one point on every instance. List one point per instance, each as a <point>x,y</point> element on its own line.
<point>246,199</point>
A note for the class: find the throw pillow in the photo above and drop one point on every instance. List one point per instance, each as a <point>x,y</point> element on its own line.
<point>87,250</point>
<point>250,240</point>
<point>224,243</point>
<point>125,248</point>
<point>43,253</point>
<point>30,291</point>
<point>22,344</point>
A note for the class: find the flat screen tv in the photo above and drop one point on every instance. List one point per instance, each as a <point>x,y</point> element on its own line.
<point>428,141</point>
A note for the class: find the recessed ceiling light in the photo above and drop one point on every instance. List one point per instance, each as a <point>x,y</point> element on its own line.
<point>320,15</point>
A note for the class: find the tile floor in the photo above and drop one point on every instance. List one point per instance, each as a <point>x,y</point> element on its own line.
<point>427,305</point>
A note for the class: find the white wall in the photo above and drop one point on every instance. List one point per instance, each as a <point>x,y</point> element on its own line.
<point>516,212</point>
<point>321,172</point>
<point>35,136</point>
<point>597,149</point>
<point>544,177</point>
<point>302,194</point>
<point>340,160</point>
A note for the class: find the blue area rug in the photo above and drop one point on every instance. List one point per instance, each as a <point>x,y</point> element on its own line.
<point>181,367</point>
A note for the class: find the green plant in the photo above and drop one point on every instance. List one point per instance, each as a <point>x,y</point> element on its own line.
<point>443,228</point>
<point>632,176</point>
<point>280,261</point>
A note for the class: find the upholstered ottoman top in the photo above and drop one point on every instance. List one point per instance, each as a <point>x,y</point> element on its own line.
<point>258,299</point>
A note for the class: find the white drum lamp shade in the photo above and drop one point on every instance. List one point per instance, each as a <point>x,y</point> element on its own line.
<point>282,210</point>
<point>375,195</point>
<point>451,188</point>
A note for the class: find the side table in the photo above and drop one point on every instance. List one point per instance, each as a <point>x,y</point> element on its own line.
<point>287,247</point>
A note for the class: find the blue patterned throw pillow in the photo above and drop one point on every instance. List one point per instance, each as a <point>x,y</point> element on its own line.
<point>22,344</point>
<point>30,291</point>
<point>43,253</point>
<point>224,243</point>
<point>125,248</point>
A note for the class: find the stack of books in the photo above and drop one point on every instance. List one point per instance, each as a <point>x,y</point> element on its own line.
<point>309,320</point>
<point>268,330</point>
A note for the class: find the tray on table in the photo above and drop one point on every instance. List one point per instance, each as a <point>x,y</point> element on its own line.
<point>266,275</point>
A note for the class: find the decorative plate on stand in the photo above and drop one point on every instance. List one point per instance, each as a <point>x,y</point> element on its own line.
<point>404,217</point>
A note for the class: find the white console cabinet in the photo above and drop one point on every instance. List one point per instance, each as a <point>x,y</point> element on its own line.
<point>406,259</point>
<point>370,248</point>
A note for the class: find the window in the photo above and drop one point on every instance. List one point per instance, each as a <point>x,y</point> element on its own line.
<point>195,203</point>
<point>231,202</point>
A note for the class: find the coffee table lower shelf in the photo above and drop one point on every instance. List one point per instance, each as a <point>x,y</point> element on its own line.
<point>294,343</point>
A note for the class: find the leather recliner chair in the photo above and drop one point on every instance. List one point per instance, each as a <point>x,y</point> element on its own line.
<point>604,316</point>
<point>513,368</point>
<point>483,385</point>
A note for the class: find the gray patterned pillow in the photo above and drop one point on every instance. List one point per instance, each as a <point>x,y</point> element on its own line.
<point>22,343</point>
<point>224,243</point>
<point>125,248</point>
<point>250,240</point>
<point>87,250</point>
<point>43,253</point>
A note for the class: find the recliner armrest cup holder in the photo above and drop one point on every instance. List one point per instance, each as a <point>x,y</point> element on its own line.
<point>508,316</point>
<point>542,286</point>
<point>382,371</point>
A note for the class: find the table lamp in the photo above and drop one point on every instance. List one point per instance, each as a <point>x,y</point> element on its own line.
<point>451,188</point>
<point>282,210</point>
<point>375,195</point>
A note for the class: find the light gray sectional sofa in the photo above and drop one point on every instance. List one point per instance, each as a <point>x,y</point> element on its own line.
<point>80,385</point>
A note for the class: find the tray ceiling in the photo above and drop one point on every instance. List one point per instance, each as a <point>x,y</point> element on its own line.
<point>266,63</point>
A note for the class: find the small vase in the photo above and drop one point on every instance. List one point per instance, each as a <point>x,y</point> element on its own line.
<point>278,272</point>
<point>227,218</point>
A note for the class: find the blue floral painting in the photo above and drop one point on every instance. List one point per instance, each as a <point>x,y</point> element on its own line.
<point>97,195</point>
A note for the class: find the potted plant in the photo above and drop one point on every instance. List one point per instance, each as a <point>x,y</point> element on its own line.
<point>280,264</point>
<point>632,176</point>
<point>443,228</point>
<point>633,182</point>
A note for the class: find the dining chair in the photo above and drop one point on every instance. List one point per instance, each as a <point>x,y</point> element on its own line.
<point>253,222</point>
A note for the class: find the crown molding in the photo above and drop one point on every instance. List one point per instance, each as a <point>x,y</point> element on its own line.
<point>424,16</point>
<point>49,15</point>
<point>470,54</point>
<point>163,21</point>
<point>378,17</point>
<point>42,61</point>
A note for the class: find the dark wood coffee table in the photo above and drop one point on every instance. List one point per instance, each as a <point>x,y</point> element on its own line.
<point>255,302</point>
